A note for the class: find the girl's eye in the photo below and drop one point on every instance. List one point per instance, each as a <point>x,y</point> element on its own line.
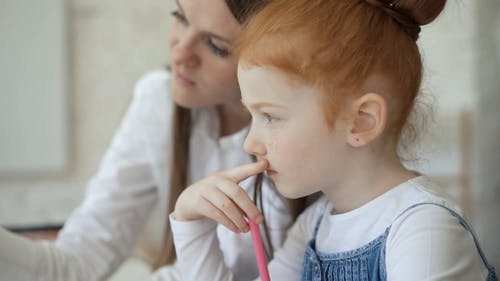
<point>216,50</point>
<point>180,17</point>
<point>269,118</point>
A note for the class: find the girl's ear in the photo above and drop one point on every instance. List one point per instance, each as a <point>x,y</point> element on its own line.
<point>368,120</point>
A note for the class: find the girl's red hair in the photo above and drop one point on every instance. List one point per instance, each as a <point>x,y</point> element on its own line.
<point>336,45</point>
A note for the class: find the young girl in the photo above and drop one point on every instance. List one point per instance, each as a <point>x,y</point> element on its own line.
<point>329,85</point>
<point>182,126</point>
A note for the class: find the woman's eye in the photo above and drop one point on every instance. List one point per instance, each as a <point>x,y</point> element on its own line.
<point>179,16</point>
<point>216,50</point>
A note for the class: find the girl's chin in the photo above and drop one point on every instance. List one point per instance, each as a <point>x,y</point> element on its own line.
<point>292,191</point>
<point>271,173</point>
<point>287,192</point>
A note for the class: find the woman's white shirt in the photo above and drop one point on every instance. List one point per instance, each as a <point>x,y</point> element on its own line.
<point>132,179</point>
<point>425,243</point>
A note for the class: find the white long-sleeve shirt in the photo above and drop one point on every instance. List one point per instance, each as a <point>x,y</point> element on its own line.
<point>425,243</point>
<point>132,178</point>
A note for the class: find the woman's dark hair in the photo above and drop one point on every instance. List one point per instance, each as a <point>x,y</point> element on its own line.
<point>241,10</point>
<point>178,180</point>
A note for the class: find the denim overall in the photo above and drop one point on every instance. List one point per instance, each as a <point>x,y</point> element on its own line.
<point>366,263</point>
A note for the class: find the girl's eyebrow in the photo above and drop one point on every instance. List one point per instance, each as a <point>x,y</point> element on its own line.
<point>210,34</point>
<point>259,105</point>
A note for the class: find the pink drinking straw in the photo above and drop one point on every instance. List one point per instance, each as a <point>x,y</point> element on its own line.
<point>259,251</point>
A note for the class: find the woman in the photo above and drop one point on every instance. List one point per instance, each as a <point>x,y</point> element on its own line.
<point>181,126</point>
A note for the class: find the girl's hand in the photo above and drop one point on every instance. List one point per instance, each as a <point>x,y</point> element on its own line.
<point>220,198</point>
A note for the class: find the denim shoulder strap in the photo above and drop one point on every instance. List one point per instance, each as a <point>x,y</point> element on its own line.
<point>462,221</point>
<point>318,221</point>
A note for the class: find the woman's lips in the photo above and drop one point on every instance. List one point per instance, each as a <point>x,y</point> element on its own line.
<point>183,80</point>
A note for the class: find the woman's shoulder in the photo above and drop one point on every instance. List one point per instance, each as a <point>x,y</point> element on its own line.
<point>153,77</point>
<point>153,84</point>
<point>152,95</point>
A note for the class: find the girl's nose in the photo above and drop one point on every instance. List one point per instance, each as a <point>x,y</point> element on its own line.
<point>253,145</point>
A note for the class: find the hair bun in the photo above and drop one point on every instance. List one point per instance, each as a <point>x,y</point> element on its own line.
<point>411,14</point>
<point>421,12</point>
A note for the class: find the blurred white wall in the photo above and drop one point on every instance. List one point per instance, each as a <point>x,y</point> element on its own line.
<point>33,94</point>
<point>113,42</point>
<point>487,161</point>
<point>110,45</point>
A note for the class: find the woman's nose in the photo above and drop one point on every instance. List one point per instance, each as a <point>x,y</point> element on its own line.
<point>253,145</point>
<point>184,52</point>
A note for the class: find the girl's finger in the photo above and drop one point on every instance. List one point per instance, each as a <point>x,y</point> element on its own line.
<point>224,204</point>
<point>242,172</point>
<point>240,198</point>
<point>217,215</point>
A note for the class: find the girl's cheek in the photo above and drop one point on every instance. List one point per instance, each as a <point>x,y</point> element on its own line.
<point>272,143</point>
<point>283,150</point>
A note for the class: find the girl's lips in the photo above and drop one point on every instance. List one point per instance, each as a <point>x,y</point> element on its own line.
<point>271,173</point>
<point>183,80</point>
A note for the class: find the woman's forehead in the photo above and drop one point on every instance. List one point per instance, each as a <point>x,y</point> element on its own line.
<point>212,17</point>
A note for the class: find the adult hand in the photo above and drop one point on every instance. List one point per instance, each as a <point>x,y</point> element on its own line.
<point>220,198</point>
